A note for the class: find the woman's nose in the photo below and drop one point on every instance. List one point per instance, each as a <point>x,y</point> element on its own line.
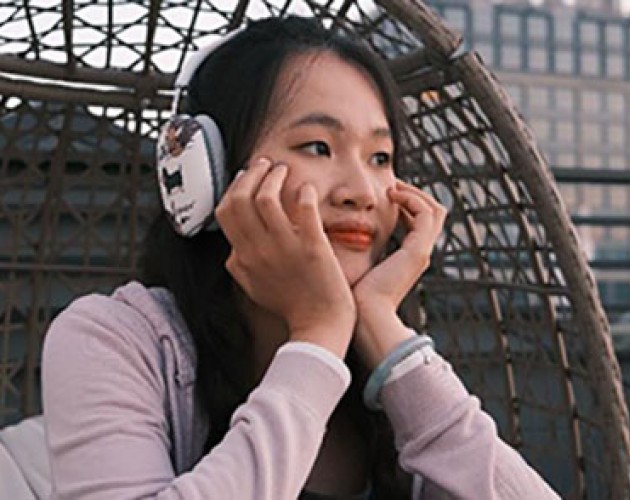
<point>355,188</point>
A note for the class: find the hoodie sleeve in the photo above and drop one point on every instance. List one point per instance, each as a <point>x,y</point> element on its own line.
<point>443,436</point>
<point>108,432</point>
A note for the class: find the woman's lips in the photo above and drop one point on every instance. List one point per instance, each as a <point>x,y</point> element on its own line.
<point>352,239</point>
<point>354,236</point>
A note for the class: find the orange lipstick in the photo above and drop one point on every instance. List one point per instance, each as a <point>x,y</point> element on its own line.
<point>352,235</point>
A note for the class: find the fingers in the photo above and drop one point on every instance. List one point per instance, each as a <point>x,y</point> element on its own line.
<point>406,218</point>
<point>307,216</point>
<point>423,216</point>
<point>251,206</point>
<point>234,213</point>
<point>415,194</point>
<point>268,204</point>
<point>413,202</point>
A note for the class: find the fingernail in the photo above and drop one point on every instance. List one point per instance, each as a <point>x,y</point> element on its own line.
<point>239,173</point>
<point>263,162</point>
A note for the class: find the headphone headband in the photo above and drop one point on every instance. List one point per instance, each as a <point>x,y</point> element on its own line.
<point>193,62</point>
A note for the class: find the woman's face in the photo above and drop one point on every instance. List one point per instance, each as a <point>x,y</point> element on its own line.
<point>329,127</point>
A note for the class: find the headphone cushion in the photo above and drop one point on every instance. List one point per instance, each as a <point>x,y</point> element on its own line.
<point>191,171</point>
<point>216,154</point>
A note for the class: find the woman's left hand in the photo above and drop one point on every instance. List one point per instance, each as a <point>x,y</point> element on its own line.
<point>379,293</point>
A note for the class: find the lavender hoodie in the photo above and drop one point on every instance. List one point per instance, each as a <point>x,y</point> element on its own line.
<point>122,420</point>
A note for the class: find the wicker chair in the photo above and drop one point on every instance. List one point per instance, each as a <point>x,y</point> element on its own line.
<point>509,298</point>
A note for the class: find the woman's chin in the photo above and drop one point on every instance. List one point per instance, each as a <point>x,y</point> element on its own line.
<point>355,263</point>
<point>355,268</point>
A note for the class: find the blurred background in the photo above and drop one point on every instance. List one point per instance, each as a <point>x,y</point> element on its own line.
<point>566,65</point>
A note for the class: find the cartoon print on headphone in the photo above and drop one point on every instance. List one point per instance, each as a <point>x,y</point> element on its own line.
<point>188,175</point>
<point>178,134</point>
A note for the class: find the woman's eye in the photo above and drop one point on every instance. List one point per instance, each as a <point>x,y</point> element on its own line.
<point>316,148</point>
<point>381,159</point>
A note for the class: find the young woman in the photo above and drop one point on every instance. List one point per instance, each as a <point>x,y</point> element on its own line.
<point>222,375</point>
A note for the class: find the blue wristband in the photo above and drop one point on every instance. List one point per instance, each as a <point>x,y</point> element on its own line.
<point>380,374</point>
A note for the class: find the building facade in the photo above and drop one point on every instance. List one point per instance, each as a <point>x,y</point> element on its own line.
<point>567,68</point>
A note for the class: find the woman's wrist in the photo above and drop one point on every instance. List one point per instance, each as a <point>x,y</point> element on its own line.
<point>397,358</point>
<point>334,337</point>
<point>377,334</point>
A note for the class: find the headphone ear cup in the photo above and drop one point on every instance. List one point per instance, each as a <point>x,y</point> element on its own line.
<point>191,171</point>
<point>216,155</point>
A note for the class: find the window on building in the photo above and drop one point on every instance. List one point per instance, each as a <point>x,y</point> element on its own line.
<point>622,235</point>
<point>541,128</point>
<point>566,159</point>
<point>589,33</point>
<point>537,28</point>
<point>563,26</point>
<point>538,97</point>
<point>621,291</point>
<point>615,67</point>
<point>594,195</point>
<point>615,104</point>
<point>564,61</point>
<point>614,292</point>
<point>507,40</point>
<point>568,192</point>
<point>527,31</point>
<point>590,62</point>
<point>510,25</point>
<point>591,132</point>
<point>538,42</point>
<point>516,93</point>
<point>591,161</point>
<point>588,46</point>
<point>484,49</point>
<point>618,199</point>
<point>563,99</point>
<point>614,36</point>
<point>591,102</point>
<point>511,57</point>
<point>459,18</point>
<point>615,135</point>
<point>538,59</point>
<point>618,162</point>
<point>482,21</point>
<point>565,132</point>
<point>600,45</point>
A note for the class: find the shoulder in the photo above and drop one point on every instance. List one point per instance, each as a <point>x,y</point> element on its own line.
<point>130,323</point>
<point>128,309</point>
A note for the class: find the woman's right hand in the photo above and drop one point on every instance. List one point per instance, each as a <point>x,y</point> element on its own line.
<point>283,262</point>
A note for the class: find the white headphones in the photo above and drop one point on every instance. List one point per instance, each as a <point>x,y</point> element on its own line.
<point>191,169</point>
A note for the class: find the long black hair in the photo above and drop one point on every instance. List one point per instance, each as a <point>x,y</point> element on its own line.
<point>235,85</point>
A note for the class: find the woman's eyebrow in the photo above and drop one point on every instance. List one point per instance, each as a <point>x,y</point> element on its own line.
<point>329,121</point>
